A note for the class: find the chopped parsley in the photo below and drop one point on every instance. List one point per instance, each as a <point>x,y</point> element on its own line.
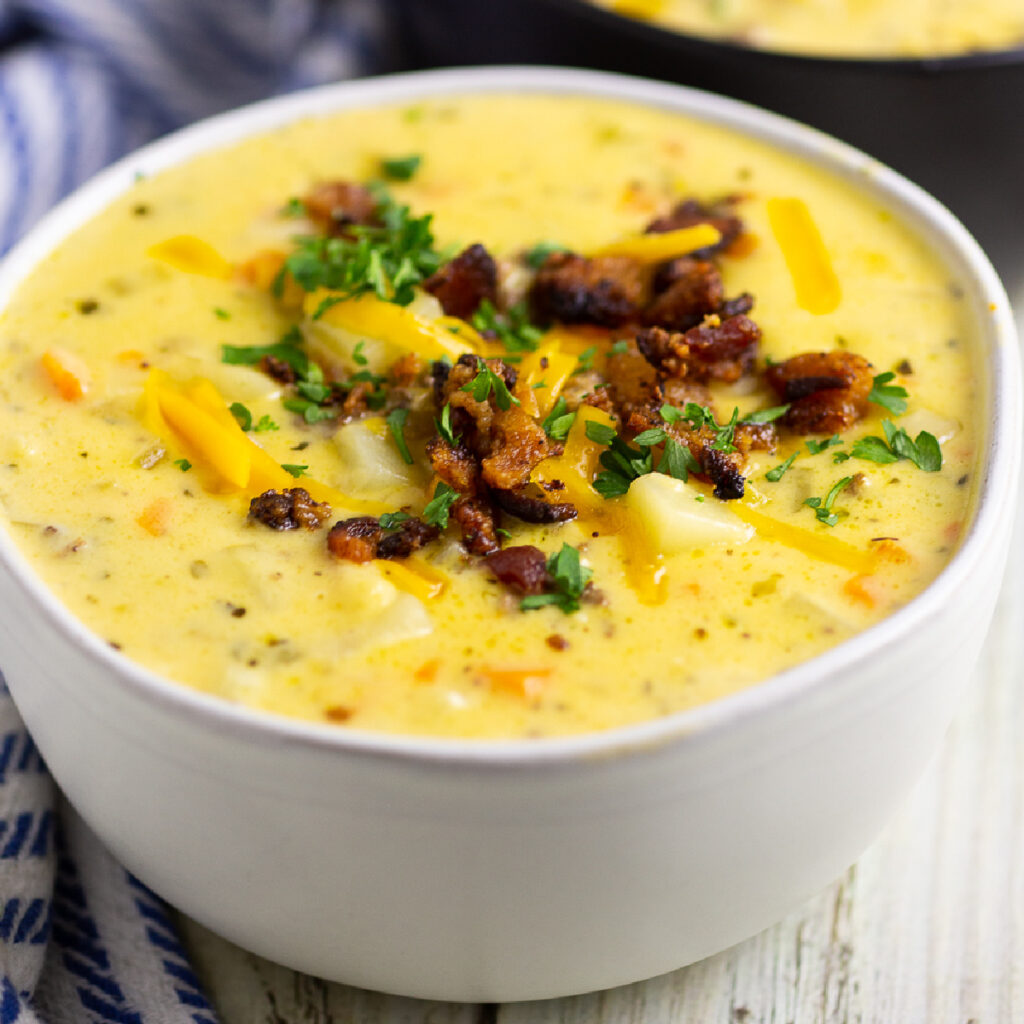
<point>889,396</point>
<point>585,362</point>
<point>388,259</point>
<point>620,348</point>
<point>183,464</point>
<point>296,471</point>
<point>287,349</point>
<point>393,520</point>
<point>396,424</point>
<point>816,447</point>
<point>401,168</point>
<point>357,354</point>
<point>569,579</point>
<point>487,381</point>
<point>311,412</point>
<point>444,426</point>
<point>623,464</point>
<point>557,422</point>
<point>923,451</point>
<point>221,314</point>
<point>776,473</point>
<point>823,506</point>
<point>244,418</point>
<point>512,328</point>
<point>766,415</point>
<point>295,207</point>
<point>438,508</point>
<point>536,256</point>
<point>699,416</point>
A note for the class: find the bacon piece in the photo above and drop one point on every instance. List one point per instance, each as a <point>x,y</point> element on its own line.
<point>478,521</point>
<point>335,206</point>
<point>522,568</point>
<point>828,391</point>
<point>605,290</point>
<point>461,285</point>
<point>517,444</point>
<point>355,540</point>
<point>689,289</point>
<point>534,509</point>
<point>278,370</point>
<point>719,214</point>
<point>289,509</point>
<point>454,464</point>
<point>411,535</point>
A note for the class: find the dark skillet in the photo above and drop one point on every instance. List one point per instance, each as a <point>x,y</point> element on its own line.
<point>953,124</point>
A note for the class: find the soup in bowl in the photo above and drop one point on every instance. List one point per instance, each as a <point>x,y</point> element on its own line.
<point>458,505</point>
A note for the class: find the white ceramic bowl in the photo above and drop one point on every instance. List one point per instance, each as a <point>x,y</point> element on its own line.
<point>514,870</point>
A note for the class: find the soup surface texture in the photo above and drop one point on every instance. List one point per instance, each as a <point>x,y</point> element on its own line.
<point>682,507</point>
<point>842,28</point>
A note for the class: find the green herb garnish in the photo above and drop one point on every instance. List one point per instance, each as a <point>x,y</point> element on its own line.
<point>438,508</point>
<point>766,415</point>
<point>357,354</point>
<point>296,471</point>
<point>536,256</point>
<point>183,464</point>
<point>816,447</point>
<point>444,426</point>
<point>221,314</point>
<point>823,507</point>
<point>486,381</point>
<point>401,168</point>
<point>295,207</point>
<point>889,396</point>
<point>924,450</point>
<point>512,328</point>
<point>393,520</point>
<point>585,362</point>
<point>569,579</point>
<point>396,424</point>
<point>776,473</point>
<point>557,422</point>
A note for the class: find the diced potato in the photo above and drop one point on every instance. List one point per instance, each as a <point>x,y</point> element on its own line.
<point>370,465</point>
<point>675,520</point>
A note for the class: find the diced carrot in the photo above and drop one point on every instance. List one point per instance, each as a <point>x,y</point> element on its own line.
<point>528,683</point>
<point>807,259</point>
<point>427,672</point>
<point>856,588</point>
<point>889,551</point>
<point>67,372</point>
<point>155,518</point>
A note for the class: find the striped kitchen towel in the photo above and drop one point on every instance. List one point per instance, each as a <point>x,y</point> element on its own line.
<point>81,83</point>
<point>84,81</point>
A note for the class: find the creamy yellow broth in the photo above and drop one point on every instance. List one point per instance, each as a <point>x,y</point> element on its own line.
<point>861,28</point>
<point>269,621</point>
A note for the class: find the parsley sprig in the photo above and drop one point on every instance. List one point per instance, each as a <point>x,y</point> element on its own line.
<point>889,396</point>
<point>623,464</point>
<point>439,507</point>
<point>923,451</point>
<point>396,424</point>
<point>388,259</point>
<point>512,327</point>
<point>487,381</point>
<point>699,416</point>
<point>823,506</point>
<point>569,578</point>
<point>558,422</point>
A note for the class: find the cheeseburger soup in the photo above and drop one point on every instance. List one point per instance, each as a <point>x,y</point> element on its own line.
<point>505,416</point>
<point>842,28</point>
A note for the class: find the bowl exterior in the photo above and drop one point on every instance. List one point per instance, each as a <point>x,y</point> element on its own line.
<point>513,871</point>
<point>952,125</point>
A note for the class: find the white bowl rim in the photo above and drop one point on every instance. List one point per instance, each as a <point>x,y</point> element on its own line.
<point>926,214</point>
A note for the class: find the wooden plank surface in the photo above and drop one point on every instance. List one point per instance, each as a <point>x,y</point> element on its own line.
<point>926,928</point>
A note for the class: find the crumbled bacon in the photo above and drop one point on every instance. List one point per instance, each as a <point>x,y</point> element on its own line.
<point>688,289</point>
<point>454,464</point>
<point>478,520</point>
<point>289,509</point>
<point>461,285</point>
<point>411,535</point>
<point>827,391</point>
<point>355,540</point>
<point>278,370</point>
<point>605,290</point>
<point>522,568</point>
<point>532,508</point>
<point>335,206</point>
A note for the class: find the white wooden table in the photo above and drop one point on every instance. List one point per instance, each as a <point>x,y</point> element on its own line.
<point>926,928</point>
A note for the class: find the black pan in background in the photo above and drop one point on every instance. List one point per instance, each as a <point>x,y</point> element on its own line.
<point>955,125</point>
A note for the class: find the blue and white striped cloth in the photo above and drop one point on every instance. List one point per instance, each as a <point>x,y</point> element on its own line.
<point>84,81</point>
<point>81,83</point>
